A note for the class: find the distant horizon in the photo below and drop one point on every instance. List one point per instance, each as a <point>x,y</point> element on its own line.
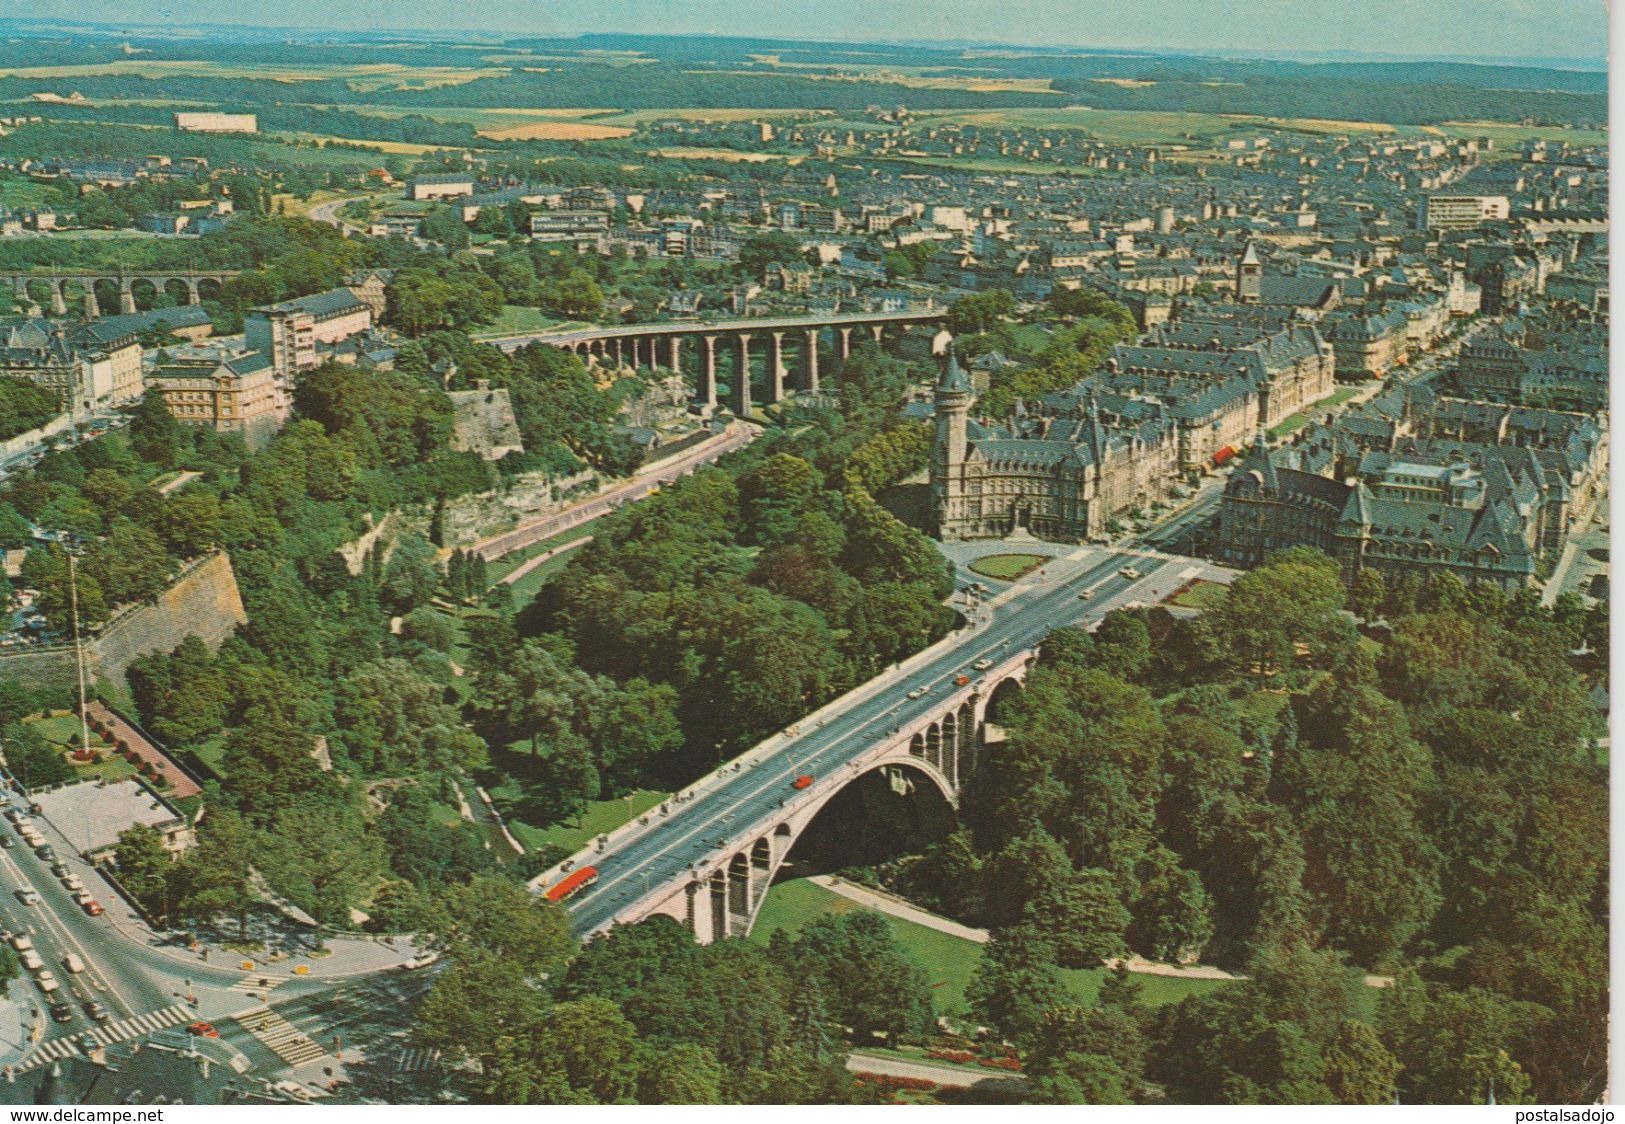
<point>1527,25</point>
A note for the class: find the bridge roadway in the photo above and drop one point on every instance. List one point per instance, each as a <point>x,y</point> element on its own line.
<point>568,336</point>
<point>738,803</point>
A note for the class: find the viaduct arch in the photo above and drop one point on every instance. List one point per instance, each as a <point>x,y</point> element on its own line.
<point>721,895</point>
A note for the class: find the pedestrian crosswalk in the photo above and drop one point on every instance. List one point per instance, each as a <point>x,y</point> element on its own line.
<point>110,1033</point>
<point>254,984</point>
<point>418,1060</point>
<point>280,1036</point>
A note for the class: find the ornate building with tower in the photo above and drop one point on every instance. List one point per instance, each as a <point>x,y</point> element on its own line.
<point>1057,476</point>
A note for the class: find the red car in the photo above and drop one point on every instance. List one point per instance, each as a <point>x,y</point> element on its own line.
<point>92,907</point>
<point>203,1030</point>
<point>802,781</point>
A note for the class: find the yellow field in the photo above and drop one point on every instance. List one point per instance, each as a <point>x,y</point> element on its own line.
<point>402,148</point>
<point>556,130</point>
<point>725,154</point>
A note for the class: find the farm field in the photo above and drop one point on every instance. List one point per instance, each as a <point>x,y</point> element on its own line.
<point>555,131</point>
<point>362,76</point>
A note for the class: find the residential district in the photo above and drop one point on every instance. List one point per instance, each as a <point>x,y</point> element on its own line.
<point>366,582</point>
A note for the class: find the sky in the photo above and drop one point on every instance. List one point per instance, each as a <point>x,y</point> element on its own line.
<point>1570,29</point>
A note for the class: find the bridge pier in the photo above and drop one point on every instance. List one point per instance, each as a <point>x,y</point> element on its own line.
<point>126,297</point>
<point>59,303</point>
<point>741,382</point>
<point>193,294</point>
<point>809,359</point>
<point>876,330</point>
<point>843,344</point>
<point>708,373</point>
<point>775,369</point>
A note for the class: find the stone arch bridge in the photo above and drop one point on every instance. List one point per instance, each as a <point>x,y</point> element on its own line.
<point>54,288</point>
<point>708,856</point>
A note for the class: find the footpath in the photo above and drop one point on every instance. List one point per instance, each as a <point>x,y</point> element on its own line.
<point>897,907</point>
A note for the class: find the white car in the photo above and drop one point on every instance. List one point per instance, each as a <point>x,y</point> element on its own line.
<point>1130,573</point>
<point>72,963</point>
<point>22,942</point>
<point>47,981</point>
<point>31,960</point>
<point>72,882</point>
<point>28,896</point>
<point>917,693</point>
<point>981,665</point>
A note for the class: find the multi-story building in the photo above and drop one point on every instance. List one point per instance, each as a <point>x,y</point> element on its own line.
<point>1057,477</point>
<point>566,226</point>
<point>216,122</point>
<point>232,392</point>
<point>1461,212</point>
<point>88,367</point>
<point>289,332</point>
<point>446,186</point>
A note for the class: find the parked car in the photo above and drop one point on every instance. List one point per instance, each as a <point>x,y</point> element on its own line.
<point>62,1012</point>
<point>28,895</point>
<point>60,869</point>
<point>89,904</point>
<point>72,882</point>
<point>31,960</point>
<point>72,963</point>
<point>47,981</point>
<point>21,941</point>
<point>96,1011</point>
<point>46,852</point>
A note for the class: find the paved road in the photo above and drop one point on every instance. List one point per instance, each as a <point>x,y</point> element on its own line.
<point>142,979</point>
<point>960,1076</point>
<point>660,856</point>
<point>646,482</point>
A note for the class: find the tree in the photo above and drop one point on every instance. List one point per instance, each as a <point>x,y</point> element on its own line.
<point>1294,598</point>
<point>1015,982</point>
<point>1359,1069</point>
<point>145,869</point>
<point>979,312</point>
<point>595,1046</point>
<point>476,1003</point>
<point>679,1073</point>
<point>1081,1079</point>
<point>1369,594</point>
<point>890,995</point>
<point>765,248</point>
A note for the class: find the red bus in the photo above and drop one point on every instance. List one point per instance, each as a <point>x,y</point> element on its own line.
<point>570,883</point>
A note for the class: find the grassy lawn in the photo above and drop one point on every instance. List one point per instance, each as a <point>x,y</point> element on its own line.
<point>531,584</point>
<point>511,561</point>
<point>1201,595</point>
<point>519,318</point>
<point>1297,421</point>
<point>948,960</point>
<point>210,752</point>
<point>63,731</point>
<point>601,816</point>
<point>1008,567</point>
